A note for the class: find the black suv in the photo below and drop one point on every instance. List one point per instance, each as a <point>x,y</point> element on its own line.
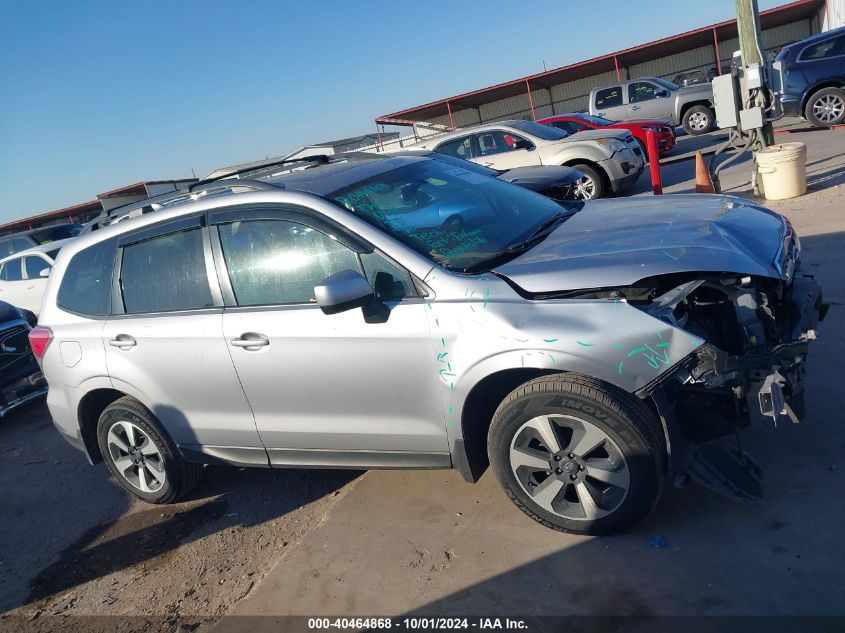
<point>813,80</point>
<point>21,379</point>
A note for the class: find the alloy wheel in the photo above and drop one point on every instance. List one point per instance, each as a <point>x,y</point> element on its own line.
<point>584,189</point>
<point>570,467</point>
<point>828,108</point>
<point>136,457</point>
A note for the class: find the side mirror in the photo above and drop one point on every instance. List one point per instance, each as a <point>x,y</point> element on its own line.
<point>343,291</point>
<point>660,92</point>
<point>45,272</point>
<point>523,144</point>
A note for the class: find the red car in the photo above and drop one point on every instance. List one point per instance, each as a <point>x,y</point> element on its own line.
<point>574,123</point>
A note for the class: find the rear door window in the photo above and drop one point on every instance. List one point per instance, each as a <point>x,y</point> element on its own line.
<point>165,273</point>
<point>833,47</point>
<point>460,148</point>
<point>86,284</point>
<point>12,270</point>
<point>609,97</point>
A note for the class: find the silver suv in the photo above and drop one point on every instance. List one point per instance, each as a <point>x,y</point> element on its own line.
<point>402,312</point>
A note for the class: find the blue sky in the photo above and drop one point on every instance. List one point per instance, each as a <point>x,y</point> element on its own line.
<point>96,95</point>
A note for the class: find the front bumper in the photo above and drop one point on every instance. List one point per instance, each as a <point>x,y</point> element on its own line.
<point>791,105</point>
<point>623,169</point>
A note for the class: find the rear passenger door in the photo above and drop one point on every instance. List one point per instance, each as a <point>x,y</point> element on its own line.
<point>609,104</point>
<point>33,267</point>
<point>326,389</point>
<point>165,345</point>
<point>12,283</point>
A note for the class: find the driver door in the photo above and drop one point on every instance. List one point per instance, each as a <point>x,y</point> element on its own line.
<point>504,150</point>
<point>325,388</point>
<point>644,101</point>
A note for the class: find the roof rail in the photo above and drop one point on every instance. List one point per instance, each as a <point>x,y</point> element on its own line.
<point>315,158</point>
<point>156,202</point>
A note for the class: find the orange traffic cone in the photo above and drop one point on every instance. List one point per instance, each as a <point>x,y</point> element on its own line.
<point>703,182</point>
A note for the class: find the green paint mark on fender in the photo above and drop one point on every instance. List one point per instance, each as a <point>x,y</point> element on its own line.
<point>670,256</point>
<point>550,340</point>
<point>620,367</point>
<point>584,344</point>
<point>441,356</point>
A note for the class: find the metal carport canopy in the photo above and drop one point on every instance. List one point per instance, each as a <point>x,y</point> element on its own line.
<point>778,16</point>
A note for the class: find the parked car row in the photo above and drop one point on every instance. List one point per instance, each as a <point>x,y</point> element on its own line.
<point>413,311</point>
<point>609,160</point>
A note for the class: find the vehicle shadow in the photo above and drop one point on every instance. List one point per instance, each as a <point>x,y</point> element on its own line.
<point>103,530</point>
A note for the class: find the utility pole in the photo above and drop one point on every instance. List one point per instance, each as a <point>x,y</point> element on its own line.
<point>750,46</point>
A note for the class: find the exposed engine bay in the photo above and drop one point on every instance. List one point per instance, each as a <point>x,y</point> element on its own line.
<point>749,372</point>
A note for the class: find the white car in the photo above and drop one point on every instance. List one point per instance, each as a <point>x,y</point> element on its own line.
<point>23,276</point>
<point>608,159</point>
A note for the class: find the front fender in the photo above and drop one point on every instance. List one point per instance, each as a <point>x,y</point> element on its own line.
<point>587,151</point>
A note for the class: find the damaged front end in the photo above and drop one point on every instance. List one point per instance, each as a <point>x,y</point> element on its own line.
<point>749,372</point>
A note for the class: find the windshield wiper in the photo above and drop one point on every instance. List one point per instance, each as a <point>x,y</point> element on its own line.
<point>540,232</point>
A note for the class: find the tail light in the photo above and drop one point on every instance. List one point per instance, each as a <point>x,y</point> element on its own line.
<point>39,340</point>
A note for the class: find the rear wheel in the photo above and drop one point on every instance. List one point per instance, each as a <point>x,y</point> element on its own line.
<point>698,120</point>
<point>826,107</point>
<point>141,456</point>
<point>590,186</point>
<point>577,455</point>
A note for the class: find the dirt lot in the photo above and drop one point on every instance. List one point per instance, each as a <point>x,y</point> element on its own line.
<point>72,544</point>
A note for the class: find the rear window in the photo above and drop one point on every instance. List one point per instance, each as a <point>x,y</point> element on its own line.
<point>86,284</point>
<point>609,97</point>
<point>165,273</point>
<point>11,270</point>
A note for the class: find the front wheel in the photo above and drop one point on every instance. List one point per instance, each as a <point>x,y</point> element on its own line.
<point>590,186</point>
<point>141,456</point>
<point>826,107</point>
<point>577,455</point>
<point>698,120</point>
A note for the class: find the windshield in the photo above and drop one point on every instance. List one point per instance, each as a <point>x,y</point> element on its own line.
<point>667,84</point>
<point>451,215</point>
<point>595,120</point>
<point>540,131</point>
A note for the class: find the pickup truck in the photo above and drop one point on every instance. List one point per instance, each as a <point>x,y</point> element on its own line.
<point>656,98</point>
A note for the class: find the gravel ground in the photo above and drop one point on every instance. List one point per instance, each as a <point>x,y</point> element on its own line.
<point>74,546</point>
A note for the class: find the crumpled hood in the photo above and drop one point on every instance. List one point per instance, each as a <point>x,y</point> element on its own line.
<point>541,177</point>
<point>618,242</point>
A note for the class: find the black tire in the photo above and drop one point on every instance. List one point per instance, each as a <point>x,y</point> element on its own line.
<point>180,477</point>
<point>833,98</point>
<point>599,185</point>
<point>634,432</point>
<point>698,120</point>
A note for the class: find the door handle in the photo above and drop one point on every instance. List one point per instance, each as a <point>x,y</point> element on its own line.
<point>251,341</point>
<point>488,164</point>
<point>123,341</point>
<point>636,107</point>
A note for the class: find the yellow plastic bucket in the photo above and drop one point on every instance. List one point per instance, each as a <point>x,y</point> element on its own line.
<point>783,169</point>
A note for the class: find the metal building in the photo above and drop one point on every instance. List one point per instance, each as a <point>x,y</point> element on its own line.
<point>566,89</point>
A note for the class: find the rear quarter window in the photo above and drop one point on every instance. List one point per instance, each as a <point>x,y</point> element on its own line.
<point>86,284</point>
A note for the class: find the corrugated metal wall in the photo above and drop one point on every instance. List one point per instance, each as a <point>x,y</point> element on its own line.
<point>667,67</point>
<point>573,96</point>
